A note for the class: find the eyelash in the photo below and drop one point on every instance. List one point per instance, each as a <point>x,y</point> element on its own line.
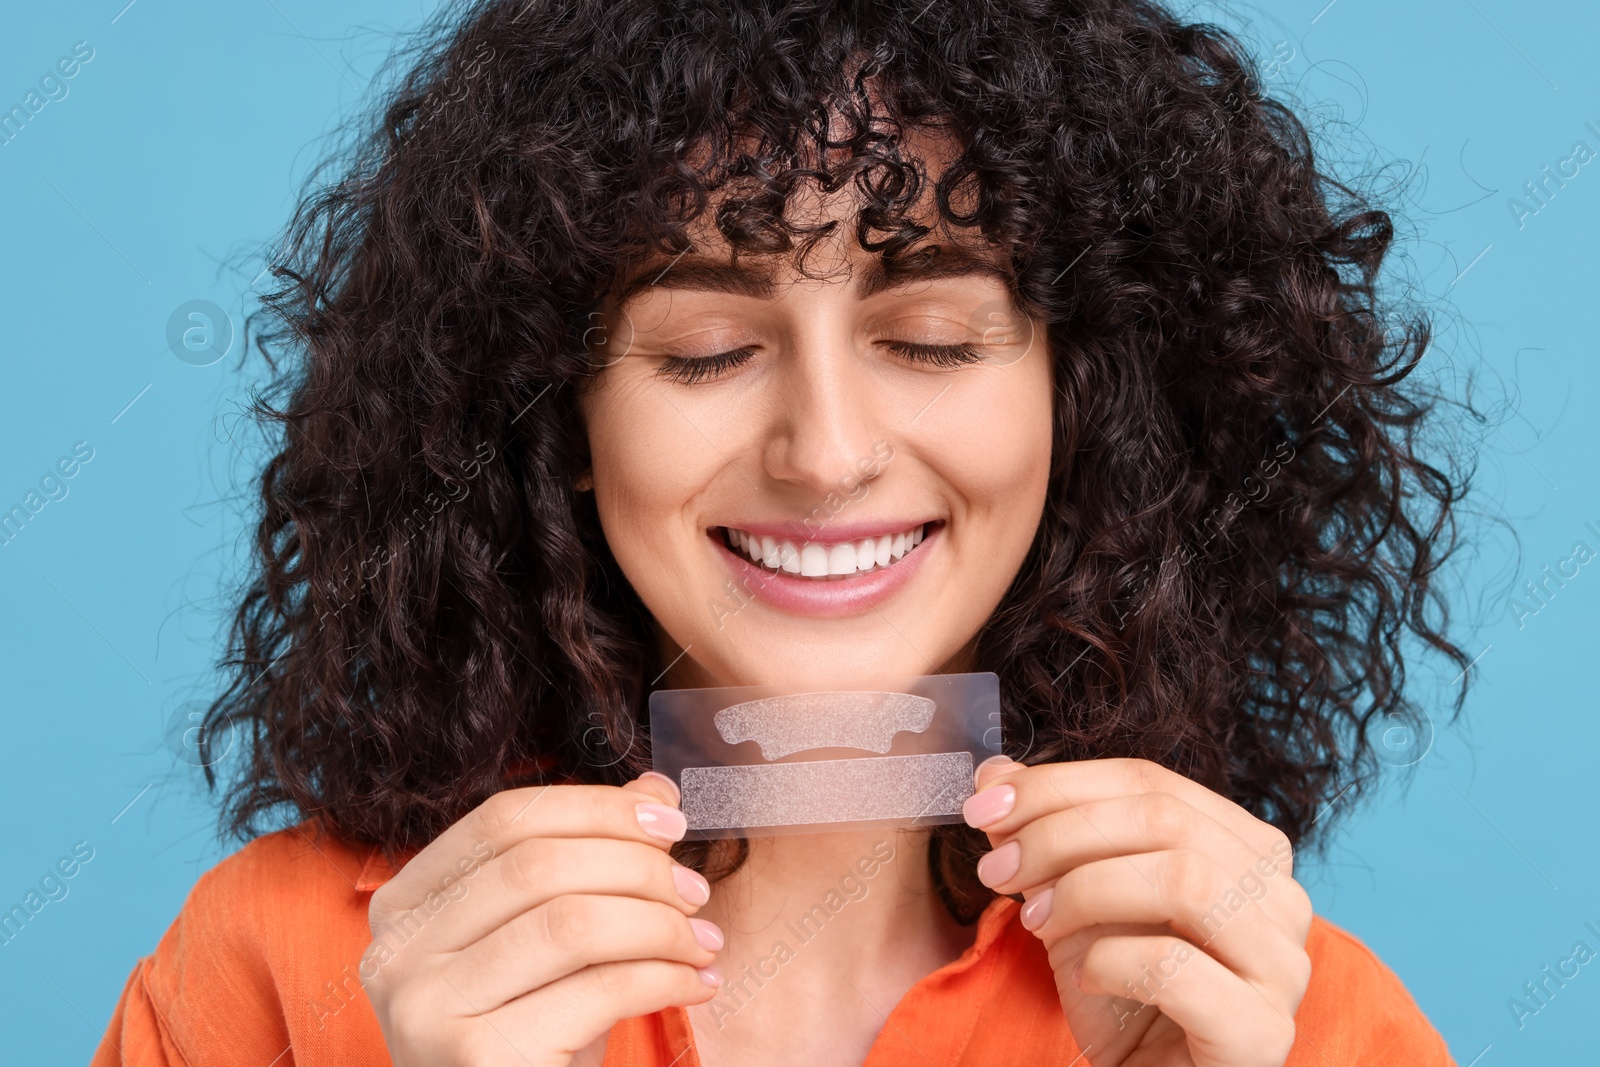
<point>689,370</point>
<point>937,355</point>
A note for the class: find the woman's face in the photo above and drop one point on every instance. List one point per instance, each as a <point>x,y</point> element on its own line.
<point>846,497</point>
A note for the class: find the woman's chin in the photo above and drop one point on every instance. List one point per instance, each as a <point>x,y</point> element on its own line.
<point>887,665</point>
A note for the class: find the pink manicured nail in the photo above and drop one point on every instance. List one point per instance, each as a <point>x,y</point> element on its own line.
<point>663,822</point>
<point>1001,865</point>
<point>691,887</point>
<point>671,786</point>
<point>1037,910</point>
<point>994,763</point>
<point>707,934</point>
<point>989,806</point>
<point>711,976</point>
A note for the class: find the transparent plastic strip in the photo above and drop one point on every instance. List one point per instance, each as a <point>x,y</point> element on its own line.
<point>772,760</point>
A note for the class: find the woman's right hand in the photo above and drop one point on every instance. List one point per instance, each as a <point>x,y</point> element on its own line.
<point>572,917</point>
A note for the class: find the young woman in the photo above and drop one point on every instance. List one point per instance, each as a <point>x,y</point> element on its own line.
<point>682,344</point>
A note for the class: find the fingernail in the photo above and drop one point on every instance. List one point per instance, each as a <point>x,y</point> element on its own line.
<point>691,887</point>
<point>711,976</point>
<point>989,806</point>
<point>1001,865</point>
<point>994,763</point>
<point>660,821</point>
<point>671,786</point>
<point>1037,910</point>
<point>707,934</point>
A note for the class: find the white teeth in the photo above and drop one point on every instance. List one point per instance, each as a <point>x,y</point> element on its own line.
<point>866,554</point>
<point>814,560</point>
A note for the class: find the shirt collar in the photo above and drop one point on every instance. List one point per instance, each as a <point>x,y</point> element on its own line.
<point>376,871</point>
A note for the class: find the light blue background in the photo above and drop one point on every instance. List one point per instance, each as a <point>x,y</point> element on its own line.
<point>183,143</point>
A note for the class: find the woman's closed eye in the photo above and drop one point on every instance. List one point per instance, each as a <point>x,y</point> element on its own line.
<point>688,370</point>
<point>935,355</point>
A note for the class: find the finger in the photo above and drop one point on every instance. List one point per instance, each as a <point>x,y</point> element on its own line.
<point>562,937</point>
<point>575,1011</point>
<point>1058,841</point>
<point>1183,890</point>
<point>516,815</point>
<point>1226,1019</point>
<point>1050,787</point>
<point>536,871</point>
<point>664,788</point>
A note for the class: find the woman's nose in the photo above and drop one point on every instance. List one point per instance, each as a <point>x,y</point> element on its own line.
<point>823,422</point>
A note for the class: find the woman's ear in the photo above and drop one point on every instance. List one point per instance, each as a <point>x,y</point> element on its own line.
<point>584,482</point>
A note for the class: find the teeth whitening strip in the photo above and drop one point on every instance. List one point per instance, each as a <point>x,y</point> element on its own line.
<point>781,761</point>
<point>785,724</point>
<point>827,791</point>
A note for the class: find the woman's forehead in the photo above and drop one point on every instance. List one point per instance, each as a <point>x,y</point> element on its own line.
<point>829,249</point>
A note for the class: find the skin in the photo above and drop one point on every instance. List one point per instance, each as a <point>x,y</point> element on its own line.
<point>583,921</point>
<point>576,921</point>
<point>1173,925</point>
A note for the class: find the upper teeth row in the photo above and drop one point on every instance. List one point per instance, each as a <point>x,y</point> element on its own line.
<point>812,560</point>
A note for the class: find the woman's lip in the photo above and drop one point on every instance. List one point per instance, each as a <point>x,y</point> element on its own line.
<point>831,533</point>
<point>832,597</point>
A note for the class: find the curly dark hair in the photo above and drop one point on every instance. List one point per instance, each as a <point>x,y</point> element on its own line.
<point>433,612</point>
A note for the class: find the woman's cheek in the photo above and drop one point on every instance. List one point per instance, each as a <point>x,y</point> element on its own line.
<point>1009,410</point>
<point>651,461</point>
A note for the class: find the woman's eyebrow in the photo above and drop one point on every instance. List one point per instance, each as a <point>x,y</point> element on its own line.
<point>708,275</point>
<point>705,275</point>
<point>949,261</point>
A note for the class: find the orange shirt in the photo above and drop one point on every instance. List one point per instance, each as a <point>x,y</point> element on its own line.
<point>260,969</point>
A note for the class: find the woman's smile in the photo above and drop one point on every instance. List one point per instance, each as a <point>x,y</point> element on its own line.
<point>858,568</point>
<point>852,551</point>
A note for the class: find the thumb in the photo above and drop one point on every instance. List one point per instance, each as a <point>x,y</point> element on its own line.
<point>991,769</point>
<point>658,785</point>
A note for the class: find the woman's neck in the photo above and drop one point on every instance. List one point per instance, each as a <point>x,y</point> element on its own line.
<point>825,934</point>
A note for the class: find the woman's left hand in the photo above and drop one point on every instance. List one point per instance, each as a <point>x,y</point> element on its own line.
<point>1175,930</point>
